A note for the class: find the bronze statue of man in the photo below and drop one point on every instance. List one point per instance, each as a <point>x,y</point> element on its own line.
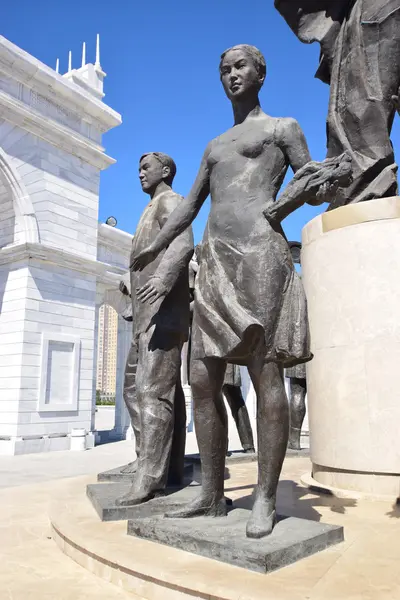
<point>297,376</point>
<point>297,403</point>
<point>360,59</point>
<point>232,391</point>
<point>160,312</point>
<point>249,306</point>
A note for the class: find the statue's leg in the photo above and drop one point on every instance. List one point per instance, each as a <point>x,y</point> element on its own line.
<point>177,458</point>
<point>298,389</point>
<point>272,431</point>
<point>131,403</point>
<point>211,426</point>
<point>156,376</point>
<point>233,395</point>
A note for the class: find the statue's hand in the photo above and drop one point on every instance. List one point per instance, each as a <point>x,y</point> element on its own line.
<point>144,258</point>
<point>324,183</point>
<point>270,212</point>
<point>123,289</point>
<point>326,192</point>
<point>152,291</point>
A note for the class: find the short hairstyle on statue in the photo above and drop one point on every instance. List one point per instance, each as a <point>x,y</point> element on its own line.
<point>255,55</point>
<point>166,161</point>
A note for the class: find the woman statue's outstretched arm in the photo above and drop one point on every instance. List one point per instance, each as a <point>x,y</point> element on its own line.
<point>313,182</point>
<point>180,219</point>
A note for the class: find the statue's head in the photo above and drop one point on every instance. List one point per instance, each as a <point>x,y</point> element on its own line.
<point>242,71</point>
<point>155,167</point>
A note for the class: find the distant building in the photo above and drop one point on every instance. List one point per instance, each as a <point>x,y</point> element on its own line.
<point>107,351</point>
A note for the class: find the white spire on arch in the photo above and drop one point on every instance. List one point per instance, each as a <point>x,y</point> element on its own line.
<point>97,63</point>
<point>89,75</point>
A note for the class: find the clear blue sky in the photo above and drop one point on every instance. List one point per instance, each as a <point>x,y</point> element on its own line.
<point>161,60</point>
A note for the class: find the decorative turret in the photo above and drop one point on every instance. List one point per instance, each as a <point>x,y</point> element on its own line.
<point>89,76</point>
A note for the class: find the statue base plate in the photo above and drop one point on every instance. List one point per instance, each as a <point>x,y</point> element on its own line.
<point>221,538</point>
<point>103,497</point>
<point>117,474</point>
<point>224,538</point>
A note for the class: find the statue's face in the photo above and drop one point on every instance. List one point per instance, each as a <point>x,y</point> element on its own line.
<point>239,75</point>
<point>151,173</point>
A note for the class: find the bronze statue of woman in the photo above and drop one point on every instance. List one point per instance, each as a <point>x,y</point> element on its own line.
<point>250,307</point>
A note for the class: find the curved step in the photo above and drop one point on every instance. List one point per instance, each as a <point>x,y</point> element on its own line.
<point>148,569</point>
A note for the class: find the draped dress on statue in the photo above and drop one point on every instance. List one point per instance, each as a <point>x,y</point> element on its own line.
<point>249,300</point>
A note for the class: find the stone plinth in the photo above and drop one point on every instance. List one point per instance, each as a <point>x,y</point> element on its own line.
<point>351,274</point>
<point>119,475</point>
<point>103,497</point>
<point>224,538</point>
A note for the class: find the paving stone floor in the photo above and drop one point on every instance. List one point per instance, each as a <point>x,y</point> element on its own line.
<point>364,567</point>
<point>31,566</point>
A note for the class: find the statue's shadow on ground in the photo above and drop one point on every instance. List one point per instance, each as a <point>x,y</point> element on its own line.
<point>395,512</point>
<point>297,501</point>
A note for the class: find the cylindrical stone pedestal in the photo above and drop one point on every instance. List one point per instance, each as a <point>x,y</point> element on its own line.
<point>351,274</point>
<point>78,440</point>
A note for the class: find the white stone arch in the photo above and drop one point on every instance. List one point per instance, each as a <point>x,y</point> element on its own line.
<point>19,224</point>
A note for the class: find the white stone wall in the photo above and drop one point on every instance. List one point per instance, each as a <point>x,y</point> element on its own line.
<point>14,381</point>
<point>50,162</point>
<point>7,217</point>
<point>63,191</point>
<point>59,302</point>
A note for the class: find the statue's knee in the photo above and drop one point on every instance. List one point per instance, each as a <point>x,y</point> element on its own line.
<point>206,380</point>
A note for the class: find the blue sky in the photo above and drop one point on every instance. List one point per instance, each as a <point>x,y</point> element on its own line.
<point>161,60</point>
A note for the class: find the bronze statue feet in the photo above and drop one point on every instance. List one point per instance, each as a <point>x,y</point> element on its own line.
<point>134,497</point>
<point>202,506</point>
<point>262,519</point>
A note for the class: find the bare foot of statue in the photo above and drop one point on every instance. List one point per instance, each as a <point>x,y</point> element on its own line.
<point>249,450</point>
<point>138,496</point>
<point>202,506</point>
<point>130,467</point>
<point>263,517</point>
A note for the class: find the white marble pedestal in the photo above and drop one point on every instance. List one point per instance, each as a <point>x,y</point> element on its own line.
<point>351,273</point>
